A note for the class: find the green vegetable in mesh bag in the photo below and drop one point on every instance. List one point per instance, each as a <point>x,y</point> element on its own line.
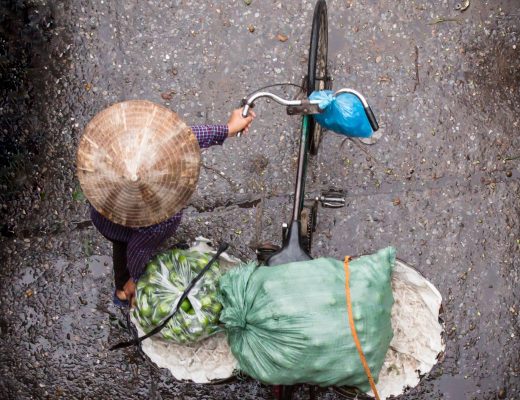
<point>289,324</point>
<point>160,288</point>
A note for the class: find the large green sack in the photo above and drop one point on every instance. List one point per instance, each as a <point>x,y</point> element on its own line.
<point>289,324</point>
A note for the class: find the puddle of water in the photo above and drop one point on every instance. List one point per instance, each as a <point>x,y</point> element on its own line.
<point>66,323</point>
<point>41,343</point>
<point>456,387</point>
<point>98,266</point>
<point>32,318</point>
<point>28,276</point>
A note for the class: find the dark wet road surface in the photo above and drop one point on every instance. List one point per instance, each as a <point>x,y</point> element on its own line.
<point>442,184</point>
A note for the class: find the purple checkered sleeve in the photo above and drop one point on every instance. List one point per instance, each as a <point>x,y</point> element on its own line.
<point>210,135</point>
<point>143,242</point>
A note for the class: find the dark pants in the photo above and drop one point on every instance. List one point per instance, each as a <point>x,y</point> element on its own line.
<point>121,274</point>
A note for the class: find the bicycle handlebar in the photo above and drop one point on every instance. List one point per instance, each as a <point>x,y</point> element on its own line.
<point>255,96</point>
<point>249,103</point>
<point>368,111</point>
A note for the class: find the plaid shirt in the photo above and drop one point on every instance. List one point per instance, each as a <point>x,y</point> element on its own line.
<point>143,242</point>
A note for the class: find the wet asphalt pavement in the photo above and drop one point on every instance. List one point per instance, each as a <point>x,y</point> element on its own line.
<point>442,184</point>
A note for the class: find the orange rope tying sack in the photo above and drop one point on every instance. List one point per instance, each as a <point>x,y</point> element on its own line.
<point>354,333</point>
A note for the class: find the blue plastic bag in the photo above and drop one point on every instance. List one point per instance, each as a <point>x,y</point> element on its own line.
<point>343,114</point>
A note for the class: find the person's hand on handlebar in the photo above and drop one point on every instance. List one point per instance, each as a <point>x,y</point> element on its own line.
<point>237,123</point>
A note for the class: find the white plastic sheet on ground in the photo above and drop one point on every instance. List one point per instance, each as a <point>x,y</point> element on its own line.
<point>414,349</point>
<point>417,340</point>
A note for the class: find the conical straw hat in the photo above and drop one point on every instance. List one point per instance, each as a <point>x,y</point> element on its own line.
<point>138,163</point>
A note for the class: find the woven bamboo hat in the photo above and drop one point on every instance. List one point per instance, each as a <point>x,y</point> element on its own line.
<point>138,163</point>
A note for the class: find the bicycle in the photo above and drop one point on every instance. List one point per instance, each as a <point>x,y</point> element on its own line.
<point>297,234</point>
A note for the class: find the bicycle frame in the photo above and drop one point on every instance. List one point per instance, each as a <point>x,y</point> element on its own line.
<point>292,249</point>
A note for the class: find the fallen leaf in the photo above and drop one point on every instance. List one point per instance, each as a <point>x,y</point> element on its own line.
<point>440,20</point>
<point>167,95</point>
<point>281,37</point>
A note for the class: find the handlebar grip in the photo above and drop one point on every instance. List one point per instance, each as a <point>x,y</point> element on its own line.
<point>246,107</point>
<point>371,118</point>
<point>245,111</point>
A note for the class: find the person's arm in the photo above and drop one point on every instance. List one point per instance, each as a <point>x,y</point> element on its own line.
<point>210,135</point>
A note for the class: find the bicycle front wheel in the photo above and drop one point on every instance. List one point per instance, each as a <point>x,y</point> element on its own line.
<point>317,74</point>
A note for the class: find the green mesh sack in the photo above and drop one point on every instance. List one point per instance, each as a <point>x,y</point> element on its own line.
<point>288,324</point>
<point>160,288</point>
